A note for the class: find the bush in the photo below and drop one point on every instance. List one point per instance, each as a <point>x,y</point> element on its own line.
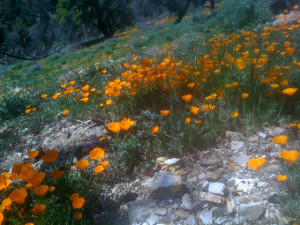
<point>238,14</point>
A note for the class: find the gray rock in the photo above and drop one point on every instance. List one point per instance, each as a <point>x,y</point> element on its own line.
<point>190,220</point>
<point>217,174</point>
<point>139,211</point>
<point>242,160</point>
<point>236,145</point>
<point>205,196</point>
<point>186,202</point>
<point>232,136</point>
<point>216,188</point>
<point>163,184</point>
<point>211,162</point>
<point>206,217</point>
<point>182,214</point>
<point>160,211</point>
<point>252,211</point>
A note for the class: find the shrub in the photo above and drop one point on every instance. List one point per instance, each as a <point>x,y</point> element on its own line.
<point>238,14</point>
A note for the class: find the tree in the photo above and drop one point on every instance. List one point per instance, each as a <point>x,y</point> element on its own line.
<point>180,7</point>
<point>105,15</point>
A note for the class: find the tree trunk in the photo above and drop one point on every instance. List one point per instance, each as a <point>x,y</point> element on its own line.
<point>182,11</point>
<point>100,23</point>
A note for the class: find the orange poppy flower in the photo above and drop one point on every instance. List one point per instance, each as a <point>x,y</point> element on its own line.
<point>50,156</point>
<point>188,120</point>
<point>290,91</point>
<point>146,62</point>
<point>199,122</point>
<point>1,218</point>
<point>234,114</point>
<point>274,86</point>
<point>155,129</point>
<point>96,153</point>
<point>44,96</point>
<point>77,216</point>
<point>38,209</point>
<point>108,102</point>
<point>33,154</point>
<point>220,91</point>
<point>82,164</point>
<point>51,188</point>
<point>256,163</point>
<point>27,111</point>
<point>99,169</point>
<point>6,202</point>
<point>41,190</point>
<point>18,195</point>
<point>190,85</point>
<point>281,177</point>
<point>74,196</point>
<point>280,140</point>
<point>114,127</point>
<point>194,110</point>
<point>104,163</point>
<point>56,174</point>
<point>85,88</point>
<point>65,112</point>
<point>36,178</point>
<point>245,95</point>
<point>4,181</point>
<point>84,100</point>
<point>72,82</point>
<point>187,98</point>
<point>85,94</point>
<point>164,112</point>
<point>17,168</point>
<point>290,156</point>
<point>63,86</point>
<point>290,51</point>
<point>78,203</point>
<point>125,124</point>
<point>266,80</point>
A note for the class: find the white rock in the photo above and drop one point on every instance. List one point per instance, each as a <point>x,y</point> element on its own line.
<point>262,184</point>
<point>220,220</point>
<point>252,211</point>
<point>171,161</point>
<point>152,219</point>
<point>201,176</point>
<point>242,160</point>
<point>190,220</point>
<point>186,201</point>
<point>262,135</point>
<point>244,185</point>
<point>205,184</point>
<point>216,188</point>
<point>236,145</point>
<point>230,205</point>
<point>206,217</point>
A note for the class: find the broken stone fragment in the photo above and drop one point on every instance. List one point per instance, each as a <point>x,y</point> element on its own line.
<point>252,211</point>
<point>163,184</point>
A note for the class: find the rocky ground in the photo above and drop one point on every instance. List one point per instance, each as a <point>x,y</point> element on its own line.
<point>214,186</point>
